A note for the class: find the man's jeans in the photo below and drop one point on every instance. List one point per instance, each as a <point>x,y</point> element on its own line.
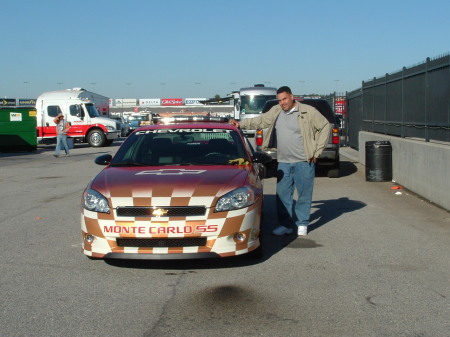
<point>61,139</point>
<point>289,176</point>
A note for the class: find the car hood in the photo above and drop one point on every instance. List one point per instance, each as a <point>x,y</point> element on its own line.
<point>105,121</point>
<point>168,186</point>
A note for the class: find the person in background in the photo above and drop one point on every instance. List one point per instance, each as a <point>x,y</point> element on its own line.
<point>62,127</point>
<point>300,133</point>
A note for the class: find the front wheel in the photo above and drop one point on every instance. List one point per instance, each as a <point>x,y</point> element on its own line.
<point>96,138</point>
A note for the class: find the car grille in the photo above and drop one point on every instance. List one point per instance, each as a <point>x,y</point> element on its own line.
<point>161,211</point>
<point>174,242</point>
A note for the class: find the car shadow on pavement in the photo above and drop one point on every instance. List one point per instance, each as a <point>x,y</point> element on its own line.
<point>218,263</point>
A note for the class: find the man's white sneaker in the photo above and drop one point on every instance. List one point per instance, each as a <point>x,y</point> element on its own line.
<point>281,230</point>
<point>302,230</point>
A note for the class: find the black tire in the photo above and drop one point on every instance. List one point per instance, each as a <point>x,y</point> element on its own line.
<point>96,138</point>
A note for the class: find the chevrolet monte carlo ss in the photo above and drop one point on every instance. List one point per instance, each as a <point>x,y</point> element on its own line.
<point>176,190</point>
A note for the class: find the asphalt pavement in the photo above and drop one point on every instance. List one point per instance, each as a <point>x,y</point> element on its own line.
<point>375,263</point>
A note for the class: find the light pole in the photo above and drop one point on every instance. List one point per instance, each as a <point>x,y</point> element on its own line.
<point>232,88</point>
<point>336,85</point>
<point>198,88</point>
<point>128,85</point>
<point>301,84</point>
<point>162,86</point>
<point>26,88</point>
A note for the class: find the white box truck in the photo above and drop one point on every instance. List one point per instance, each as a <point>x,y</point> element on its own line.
<point>79,107</point>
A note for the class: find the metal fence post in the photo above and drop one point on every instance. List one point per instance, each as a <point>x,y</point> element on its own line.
<point>426,89</point>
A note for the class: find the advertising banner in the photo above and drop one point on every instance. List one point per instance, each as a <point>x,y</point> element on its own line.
<point>27,102</point>
<point>15,116</point>
<point>126,102</point>
<point>149,101</point>
<point>171,101</point>
<point>340,106</point>
<point>7,102</point>
<point>194,101</point>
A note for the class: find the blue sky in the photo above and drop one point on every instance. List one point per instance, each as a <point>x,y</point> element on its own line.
<point>175,48</point>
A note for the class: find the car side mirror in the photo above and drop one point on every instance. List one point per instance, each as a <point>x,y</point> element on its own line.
<point>262,158</point>
<point>103,159</point>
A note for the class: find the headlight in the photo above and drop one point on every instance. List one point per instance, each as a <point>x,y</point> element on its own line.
<point>110,128</point>
<point>94,201</point>
<point>239,198</point>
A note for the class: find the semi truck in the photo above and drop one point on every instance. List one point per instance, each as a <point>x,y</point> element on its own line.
<point>79,107</point>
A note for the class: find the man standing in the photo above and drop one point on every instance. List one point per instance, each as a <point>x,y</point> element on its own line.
<point>300,133</point>
<point>62,127</point>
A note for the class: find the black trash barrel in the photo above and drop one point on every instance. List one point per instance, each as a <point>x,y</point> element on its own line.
<point>378,161</point>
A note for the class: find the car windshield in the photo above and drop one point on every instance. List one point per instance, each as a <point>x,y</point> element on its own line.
<point>254,104</point>
<point>182,146</point>
<point>92,111</point>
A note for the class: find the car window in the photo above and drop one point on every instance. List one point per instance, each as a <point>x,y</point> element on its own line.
<point>269,105</point>
<point>323,107</point>
<point>183,146</point>
<point>75,110</point>
<point>53,110</point>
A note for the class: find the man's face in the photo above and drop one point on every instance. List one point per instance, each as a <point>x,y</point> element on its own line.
<point>286,101</point>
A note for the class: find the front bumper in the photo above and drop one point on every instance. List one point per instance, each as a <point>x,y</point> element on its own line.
<point>112,135</point>
<point>221,242</point>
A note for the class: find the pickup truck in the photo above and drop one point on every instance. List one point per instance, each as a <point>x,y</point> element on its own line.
<point>329,159</point>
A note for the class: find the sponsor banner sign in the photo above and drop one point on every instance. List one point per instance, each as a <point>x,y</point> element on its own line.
<point>149,101</point>
<point>340,106</point>
<point>7,102</point>
<point>171,101</point>
<point>27,102</point>
<point>15,116</point>
<point>126,102</point>
<point>194,101</point>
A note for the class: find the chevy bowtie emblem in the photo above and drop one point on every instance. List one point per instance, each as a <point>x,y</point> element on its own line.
<point>171,172</point>
<point>160,212</point>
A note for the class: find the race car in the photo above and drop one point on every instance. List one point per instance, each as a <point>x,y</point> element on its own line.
<point>182,188</point>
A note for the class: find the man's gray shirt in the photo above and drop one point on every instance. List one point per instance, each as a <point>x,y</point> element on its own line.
<point>289,138</point>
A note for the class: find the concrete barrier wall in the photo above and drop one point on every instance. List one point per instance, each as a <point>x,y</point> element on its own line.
<point>421,167</point>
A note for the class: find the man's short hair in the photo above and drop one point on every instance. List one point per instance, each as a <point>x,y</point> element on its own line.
<point>284,89</point>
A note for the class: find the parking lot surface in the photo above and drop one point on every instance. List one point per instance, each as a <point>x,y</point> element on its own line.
<point>375,263</point>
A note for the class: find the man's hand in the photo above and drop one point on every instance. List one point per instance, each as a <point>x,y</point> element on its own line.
<point>234,122</point>
<point>312,160</point>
